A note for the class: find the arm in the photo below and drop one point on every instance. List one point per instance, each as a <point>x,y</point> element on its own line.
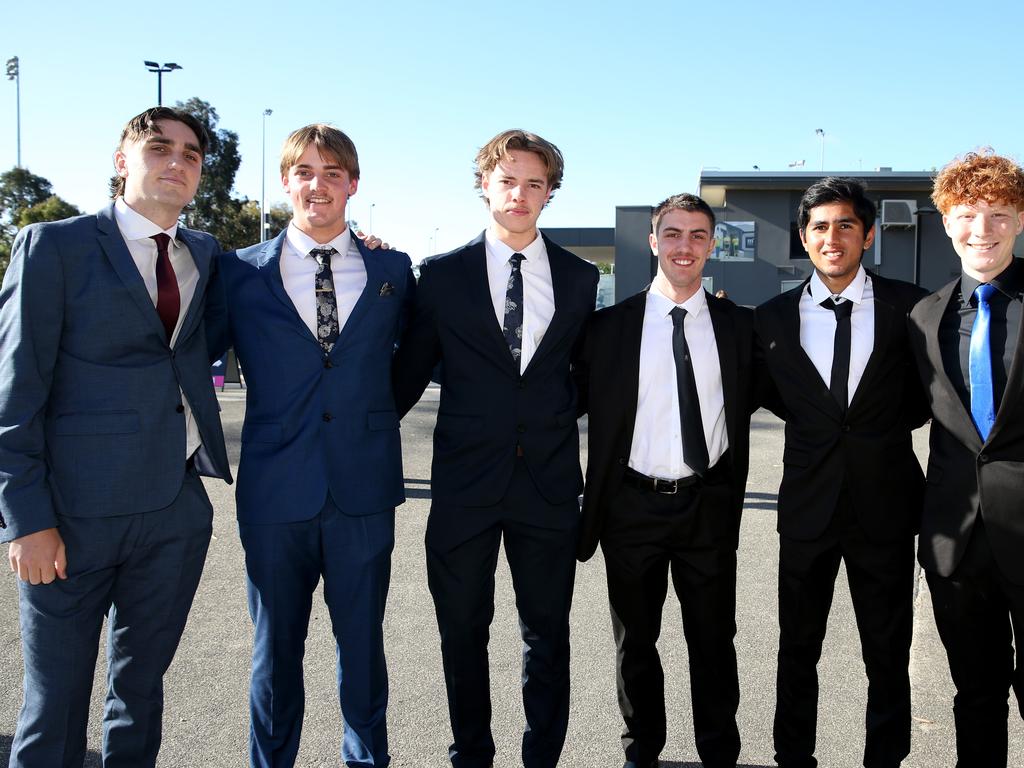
<point>216,319</point>
<point>31,317</point>
<point>581,356</point>
<point>419,349</point>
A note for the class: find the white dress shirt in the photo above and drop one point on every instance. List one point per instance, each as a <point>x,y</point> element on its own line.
<point>137,232</point>
<point>538,294</point>
<point>818,327</point>
<point>298,271</point>
<point>657,448</point>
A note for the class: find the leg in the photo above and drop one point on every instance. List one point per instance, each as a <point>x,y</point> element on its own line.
<point>461,582</point>
<point>705,581</point>
<point>60,629</point>
<point>807,574</point>
<point>636,565</point>
<point>282,566</point>
<point>543,566</point>
<point>971,614</point>
<point>881,577</point>
<point>152,595</point>
<point>357,571</point>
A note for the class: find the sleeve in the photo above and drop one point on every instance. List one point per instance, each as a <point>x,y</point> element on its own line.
<point>420,348</point>
<point>31,318</point>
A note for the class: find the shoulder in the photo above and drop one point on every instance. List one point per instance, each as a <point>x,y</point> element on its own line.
<point>197,239</point>
<point>780,303</point>
<point>569,260</point>
<point>897,291</point>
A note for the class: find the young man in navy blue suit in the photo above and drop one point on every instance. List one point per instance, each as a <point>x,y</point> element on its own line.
<point>314,318</point>
<point>108,417</point>
<point>503,315</point>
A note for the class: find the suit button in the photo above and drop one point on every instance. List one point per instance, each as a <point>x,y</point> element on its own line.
<point>179,408</point>
<point>622,462</point>
<point>327,417</point>
<point>846,427</point>
<point>983,458</point>
<point>520,429</point>
<point>522,385</point>
<point>328,363</point>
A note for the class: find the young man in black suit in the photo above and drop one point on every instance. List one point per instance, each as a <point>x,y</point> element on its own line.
<point>667,380</point>
<point>836,348</point>
<point>967,339</point>
<point>502,315</point>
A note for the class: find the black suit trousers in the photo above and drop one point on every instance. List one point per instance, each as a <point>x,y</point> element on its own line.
<point>881,579</point>
<point>646,536</point>
<point>978,613</point>
<point>461,580</point>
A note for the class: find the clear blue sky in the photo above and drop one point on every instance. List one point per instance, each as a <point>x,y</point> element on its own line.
<point>638,98</point>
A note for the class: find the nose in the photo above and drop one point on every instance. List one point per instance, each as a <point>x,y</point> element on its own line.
<point>981,224</point>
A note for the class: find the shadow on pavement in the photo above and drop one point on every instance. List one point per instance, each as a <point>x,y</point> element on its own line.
<point>755,500</point>
<point>92,760</point>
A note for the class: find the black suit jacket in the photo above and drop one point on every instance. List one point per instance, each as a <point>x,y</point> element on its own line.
<point>868,451</point>
<point>609,377</point>
<point>966,476</point>
<point>487,407</point>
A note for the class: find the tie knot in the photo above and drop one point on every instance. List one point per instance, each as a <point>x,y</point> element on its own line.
<point>842,308</point>
<point>678,315</point>
<point>323,255</point>
<point>984,292</point>
<point>162,241</point>
<point>516,259</point>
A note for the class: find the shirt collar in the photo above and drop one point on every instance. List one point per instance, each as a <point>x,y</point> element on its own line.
<point>135,226</point>
<point>664,305</point>
<point>1007,282</point>
<point>534,253</point>
<point>303,243</point>
<point>853,292</point>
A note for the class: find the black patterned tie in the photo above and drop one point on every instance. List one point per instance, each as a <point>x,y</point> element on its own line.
<point>839,381</point>
<point>327,328</point>
<point>695,447</point>
<point>512,327</point>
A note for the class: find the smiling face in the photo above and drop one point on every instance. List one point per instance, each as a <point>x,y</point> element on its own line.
<point>161,171</point>
<point>835,240</point>
<point>516,191</point>
<point>983,234</point>
<point>319,189</point>
<point>683,242</point>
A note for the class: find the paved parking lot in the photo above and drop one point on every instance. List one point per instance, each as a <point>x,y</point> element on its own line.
<point>206,718</point>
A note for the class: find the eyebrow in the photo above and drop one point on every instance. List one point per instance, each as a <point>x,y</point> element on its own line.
<point>841,220</point>
<point>678,229</point>
<point>534,180</point>
<point>157,139</point>
<point>331,167</point>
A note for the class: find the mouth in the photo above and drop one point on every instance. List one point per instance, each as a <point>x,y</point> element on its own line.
<point>684,261</point>
<point>518,211</point>
<point>982,247</point>
<point>173,180</point>
<point>318,200</point>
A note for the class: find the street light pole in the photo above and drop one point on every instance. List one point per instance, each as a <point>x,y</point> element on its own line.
<point>263,178</point>
<point>14,73</point>
<point>821,132</point>
<point>152,66</point>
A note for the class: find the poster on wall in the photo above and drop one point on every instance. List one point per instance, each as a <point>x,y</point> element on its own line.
<point>735,241</point>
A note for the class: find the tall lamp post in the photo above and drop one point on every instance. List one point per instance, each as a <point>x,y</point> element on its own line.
<point>821,132</point>
<point>152,66</point>
<point>263,178</point>
<point>14,73</point>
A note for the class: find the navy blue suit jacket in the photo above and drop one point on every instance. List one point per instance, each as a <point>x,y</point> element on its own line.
<point>91,423</point>
<point>312,426</point>
<point>487,407</point>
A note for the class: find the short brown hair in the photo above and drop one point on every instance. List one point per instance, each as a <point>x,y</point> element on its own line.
<point>681,202</point>
<point>500,148</point>
<point>144,125</point>
<point>981,175</point>
<point>329,142</point>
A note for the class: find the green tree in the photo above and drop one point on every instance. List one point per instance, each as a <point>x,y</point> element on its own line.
<point>53,208</point>
<point>24,199</point>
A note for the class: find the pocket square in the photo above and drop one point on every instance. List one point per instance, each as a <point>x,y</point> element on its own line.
<point>386,289</point>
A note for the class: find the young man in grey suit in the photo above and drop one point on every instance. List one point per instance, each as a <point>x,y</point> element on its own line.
<point>968,340</point>
<point>107,419</point>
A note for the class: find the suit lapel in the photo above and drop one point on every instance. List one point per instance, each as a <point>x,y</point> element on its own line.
<point>268,262</point>
<point>884,317</point>
<point>478,291</point>
<point>791,336</point>
<point>628,366</point>
<point>725,335</point>
<point>1014,384</point>
<point>121,260</point>
<point>375,278</point>
<point>201,257</point>
<point>561,290</point>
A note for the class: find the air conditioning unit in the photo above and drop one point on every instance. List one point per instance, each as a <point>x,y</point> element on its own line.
<point>900,214</point>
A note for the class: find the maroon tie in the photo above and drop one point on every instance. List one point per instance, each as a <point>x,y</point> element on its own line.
<point>168,300</point>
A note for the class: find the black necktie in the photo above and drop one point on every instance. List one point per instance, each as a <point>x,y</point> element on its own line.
<point>695,447</point>
<point>327,328</point>
<point>839,382</point>
<point>512,326</point>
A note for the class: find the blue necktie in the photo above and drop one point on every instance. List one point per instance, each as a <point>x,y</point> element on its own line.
<point>983,409</point>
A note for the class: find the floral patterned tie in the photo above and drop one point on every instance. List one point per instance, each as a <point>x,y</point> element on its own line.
<point>512,327</point>
<point>327,328</point>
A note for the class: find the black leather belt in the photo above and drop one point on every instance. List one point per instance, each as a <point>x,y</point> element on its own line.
<point>657,484</point>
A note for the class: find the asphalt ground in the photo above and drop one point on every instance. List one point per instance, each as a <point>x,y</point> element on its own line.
<point>206,718</point>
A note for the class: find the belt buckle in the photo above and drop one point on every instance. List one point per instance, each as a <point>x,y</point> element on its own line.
<point>666,487</point>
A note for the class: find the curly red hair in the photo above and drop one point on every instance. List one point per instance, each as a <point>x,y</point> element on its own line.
<point>981,175</point>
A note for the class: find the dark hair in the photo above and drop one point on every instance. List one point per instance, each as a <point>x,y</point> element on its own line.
<point>682,202</point>
<point>144,125</point>
<point>837,189</point>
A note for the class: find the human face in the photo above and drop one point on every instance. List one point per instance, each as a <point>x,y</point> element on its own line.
<point>161,171</point>
<point>319,189</point>
<point>682,244</point>
<point>835,240</point>
<point>517,191</point>
<point>983,234</point>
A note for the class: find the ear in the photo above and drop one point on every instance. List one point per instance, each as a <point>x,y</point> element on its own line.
<point>1020,222</point>
<point>121,164</point>
<point>945,224</point>
<point>653,239</point>
<point>870,239</point>
<point>353,185</point>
